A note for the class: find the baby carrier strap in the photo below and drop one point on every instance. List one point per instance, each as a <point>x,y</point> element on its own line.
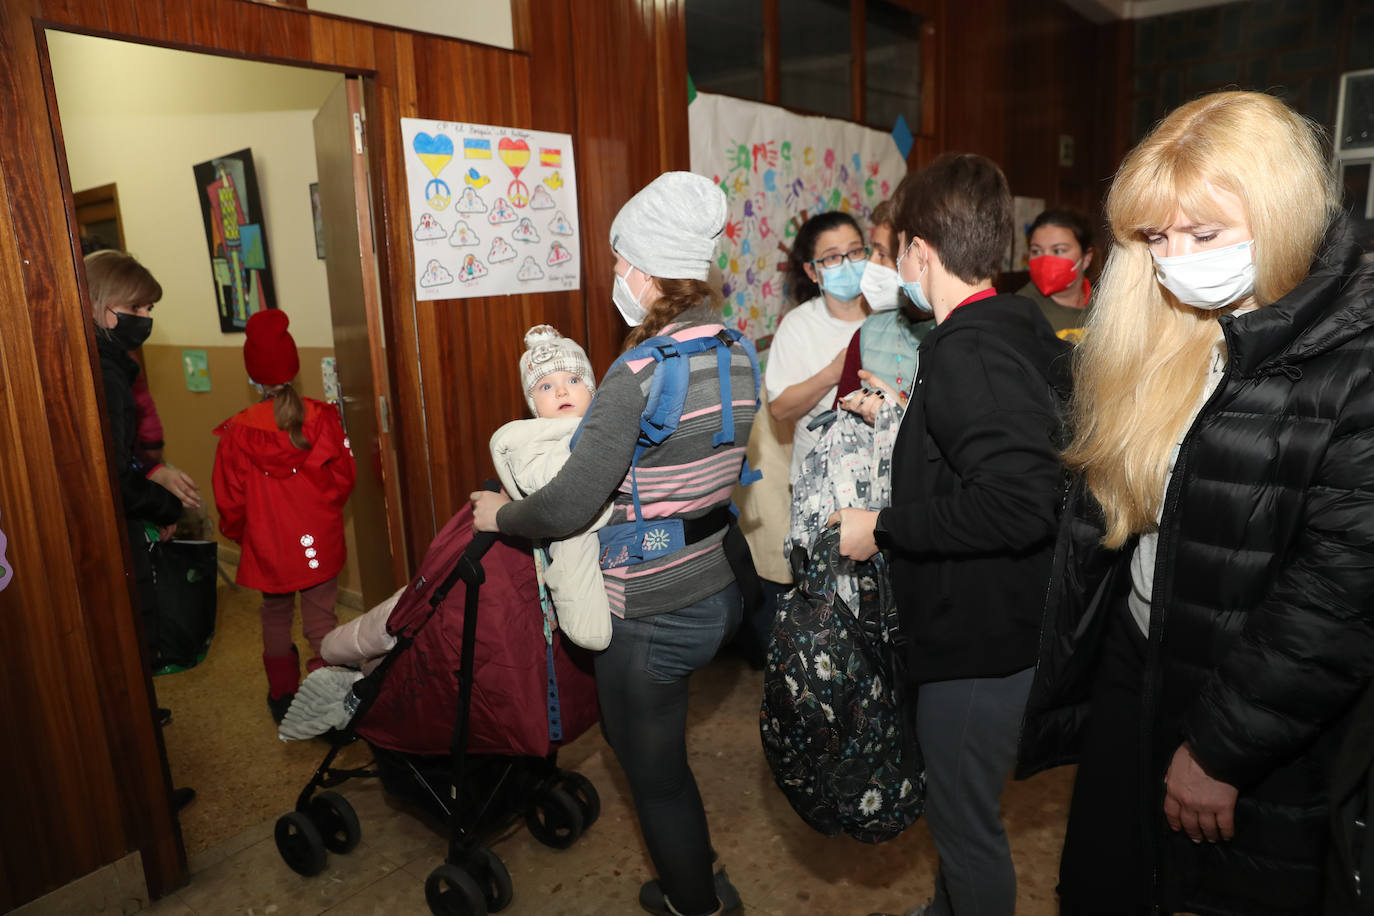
<point>667,396</point>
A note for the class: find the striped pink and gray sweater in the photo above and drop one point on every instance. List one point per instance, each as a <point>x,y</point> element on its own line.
<point>684,477</point>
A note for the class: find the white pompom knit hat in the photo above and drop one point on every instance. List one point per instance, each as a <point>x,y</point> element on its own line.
<point>547,351</point>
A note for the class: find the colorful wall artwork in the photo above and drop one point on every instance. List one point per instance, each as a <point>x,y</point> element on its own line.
<point>239,259</point>
<point>777,168</point>
<point>493,210</point>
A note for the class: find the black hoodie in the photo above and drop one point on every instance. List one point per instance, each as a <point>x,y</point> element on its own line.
<point>976,487</point>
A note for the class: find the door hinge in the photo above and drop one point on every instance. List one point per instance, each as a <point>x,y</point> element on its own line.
<point>383,414</point>
<point>357,134</point>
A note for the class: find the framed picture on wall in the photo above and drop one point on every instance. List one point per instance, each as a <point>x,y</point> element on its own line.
<point>319,220</point>
<point>240,264</point>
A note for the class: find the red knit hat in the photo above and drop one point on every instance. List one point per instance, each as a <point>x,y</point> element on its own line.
<point>269,353</point>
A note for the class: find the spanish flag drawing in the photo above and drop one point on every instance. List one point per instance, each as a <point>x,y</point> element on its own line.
<point>553,158</point>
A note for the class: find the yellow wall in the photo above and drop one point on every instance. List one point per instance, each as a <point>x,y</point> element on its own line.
<point>142,117</point>
<point>485,21</point>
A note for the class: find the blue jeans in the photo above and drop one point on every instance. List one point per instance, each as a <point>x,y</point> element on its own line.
<point>641,680</point>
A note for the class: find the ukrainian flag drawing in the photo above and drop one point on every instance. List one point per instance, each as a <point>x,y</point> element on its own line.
<point>476,149</point>
<point>553,158</point>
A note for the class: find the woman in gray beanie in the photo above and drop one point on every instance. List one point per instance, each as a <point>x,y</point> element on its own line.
<point>675,608</point>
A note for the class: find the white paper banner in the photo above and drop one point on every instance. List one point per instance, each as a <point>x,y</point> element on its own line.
<point>777,168</point>
<point>493,210</point>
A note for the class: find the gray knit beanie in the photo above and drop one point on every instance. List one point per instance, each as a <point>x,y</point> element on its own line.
<point>669,228</point>
<point>548,351</point>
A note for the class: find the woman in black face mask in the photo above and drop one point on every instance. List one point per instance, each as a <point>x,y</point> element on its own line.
<point>122,296</point>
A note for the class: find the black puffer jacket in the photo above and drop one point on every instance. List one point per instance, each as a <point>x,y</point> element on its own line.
<point>1262,631</point>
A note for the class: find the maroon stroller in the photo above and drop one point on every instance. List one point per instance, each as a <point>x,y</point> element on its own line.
<point>464,717</point>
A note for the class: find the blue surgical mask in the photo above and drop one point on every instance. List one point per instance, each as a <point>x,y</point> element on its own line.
<point>842,281</point>
<point>912,288</point>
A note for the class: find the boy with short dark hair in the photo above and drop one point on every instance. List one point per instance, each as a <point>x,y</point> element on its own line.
<point>976,481</point>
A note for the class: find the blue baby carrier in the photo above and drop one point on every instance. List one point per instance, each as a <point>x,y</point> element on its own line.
<point>635,542</point>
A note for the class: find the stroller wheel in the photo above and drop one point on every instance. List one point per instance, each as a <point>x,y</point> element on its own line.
<point>582,792</point>
<point>336,820</point>
<point>554,819</point>
<point>450,891</point>
<point>486,868</point>
<point>300,844</point>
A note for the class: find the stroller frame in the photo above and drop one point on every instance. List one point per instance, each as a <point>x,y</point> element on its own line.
<point>472,880</point>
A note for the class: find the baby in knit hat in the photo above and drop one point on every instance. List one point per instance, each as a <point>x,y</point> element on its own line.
<point>555,374</point>
<point>557,380</point>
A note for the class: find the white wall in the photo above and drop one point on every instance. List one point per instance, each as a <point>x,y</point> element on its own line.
<point>484,21</point>
<point>142,117</point>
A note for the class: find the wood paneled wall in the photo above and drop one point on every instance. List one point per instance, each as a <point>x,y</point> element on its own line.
<point>82,764</point>
<point>1069,78</point>
<point>84,770</point>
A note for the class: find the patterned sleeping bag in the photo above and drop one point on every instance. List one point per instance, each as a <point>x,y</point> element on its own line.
<point>834,730</point>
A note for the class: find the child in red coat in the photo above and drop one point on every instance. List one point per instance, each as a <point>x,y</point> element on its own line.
<point>283,471</point>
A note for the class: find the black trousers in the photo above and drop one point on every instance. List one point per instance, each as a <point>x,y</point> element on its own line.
<point>1107,868</point>
<point>145,578</point>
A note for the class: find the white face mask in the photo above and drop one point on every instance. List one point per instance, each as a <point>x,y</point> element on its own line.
<point>627,302</point>
<point>880,286</point>
<point>1209,279</point>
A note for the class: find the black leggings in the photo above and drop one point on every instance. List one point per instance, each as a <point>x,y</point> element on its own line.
<point>1107,862</point>
<point>641,680</point>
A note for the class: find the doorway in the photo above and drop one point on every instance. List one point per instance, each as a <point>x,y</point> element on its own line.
<point>142,118</point>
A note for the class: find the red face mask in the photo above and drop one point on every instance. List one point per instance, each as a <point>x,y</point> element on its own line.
<point>1052,274</point>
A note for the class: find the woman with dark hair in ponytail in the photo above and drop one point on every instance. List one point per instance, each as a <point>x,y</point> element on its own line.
<point>805,361</point>
<point>283,471</point>
<point>676,606</point>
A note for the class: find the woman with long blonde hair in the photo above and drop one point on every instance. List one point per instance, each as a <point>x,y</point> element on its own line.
<point>1208,623</point>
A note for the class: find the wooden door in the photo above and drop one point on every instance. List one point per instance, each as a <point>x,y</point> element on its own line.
<point>359,347</point>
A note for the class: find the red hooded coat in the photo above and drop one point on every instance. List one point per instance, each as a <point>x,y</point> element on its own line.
<point>282,504</point>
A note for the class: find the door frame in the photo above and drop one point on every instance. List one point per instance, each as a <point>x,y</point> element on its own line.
<point>370,280</point>
<point>162,846</point>
<point>376,269</point>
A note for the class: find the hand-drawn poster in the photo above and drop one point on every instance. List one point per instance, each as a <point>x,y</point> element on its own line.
<point>493,210</point>
<point>234,233</point>
<point>778,168</point>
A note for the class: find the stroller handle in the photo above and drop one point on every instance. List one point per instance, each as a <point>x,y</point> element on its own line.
<point>469,565</point>
<point>481,541</point>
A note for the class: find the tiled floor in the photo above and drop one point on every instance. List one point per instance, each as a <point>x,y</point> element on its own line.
<point>246,777</point>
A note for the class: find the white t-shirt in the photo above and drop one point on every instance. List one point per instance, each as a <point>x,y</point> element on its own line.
<point>807,340</point>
